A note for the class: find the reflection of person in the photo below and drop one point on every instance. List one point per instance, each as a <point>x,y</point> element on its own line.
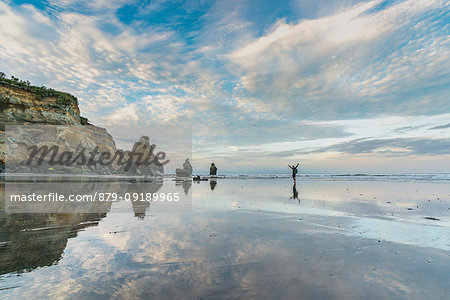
<point>294,170</point>
<point>294,193</point>
<point>213,169</point>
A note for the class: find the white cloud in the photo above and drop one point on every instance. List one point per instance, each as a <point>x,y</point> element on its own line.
<point>98,5</point>
<point>126,115</point>
<point>361,72</point>
<point>69,51</point>
<point>347,64</point>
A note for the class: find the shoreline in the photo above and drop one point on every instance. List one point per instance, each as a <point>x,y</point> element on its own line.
<point>429,177</point>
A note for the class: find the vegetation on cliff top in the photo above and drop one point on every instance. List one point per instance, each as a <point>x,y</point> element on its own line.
<point>42,92</point>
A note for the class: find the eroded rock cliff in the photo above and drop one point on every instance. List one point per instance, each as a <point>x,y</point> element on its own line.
<point>22,104</point>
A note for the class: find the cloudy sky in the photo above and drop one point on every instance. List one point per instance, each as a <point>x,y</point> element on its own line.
<point>337,85</point>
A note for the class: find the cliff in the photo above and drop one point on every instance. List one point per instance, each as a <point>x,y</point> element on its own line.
<point>24,104</point>
<point>21,102</point>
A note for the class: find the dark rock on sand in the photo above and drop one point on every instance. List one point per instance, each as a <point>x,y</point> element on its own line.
<point>431,218</point>
<point>198,178</point>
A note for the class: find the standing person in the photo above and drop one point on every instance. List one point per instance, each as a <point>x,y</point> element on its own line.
<point>294,170</point>
<point>213,169</point>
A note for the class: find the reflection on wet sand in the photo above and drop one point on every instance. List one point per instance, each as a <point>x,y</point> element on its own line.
<point>266,247</point>
<point>294,192</point>
<point>140,207</point>
<point>29,241</point>
<point>185,183</point>
<point>32,240</point>
<point>212,183</point>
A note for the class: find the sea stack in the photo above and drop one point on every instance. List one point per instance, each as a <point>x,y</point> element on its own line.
<point>186,171</point>
<point>213,169</point>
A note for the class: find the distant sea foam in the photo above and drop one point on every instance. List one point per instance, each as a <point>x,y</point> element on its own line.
<point>430,177</point>
<point>363,177</point>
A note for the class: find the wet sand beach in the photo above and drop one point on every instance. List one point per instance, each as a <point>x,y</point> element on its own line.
<point>249,238</point>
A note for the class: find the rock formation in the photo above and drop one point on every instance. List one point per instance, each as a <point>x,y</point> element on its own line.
<point>73,139</point>
<point>22,104</point>
<point>142,147</point>
<point>186,171</point>
<point>19,106</point>
<point>213,169</point>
